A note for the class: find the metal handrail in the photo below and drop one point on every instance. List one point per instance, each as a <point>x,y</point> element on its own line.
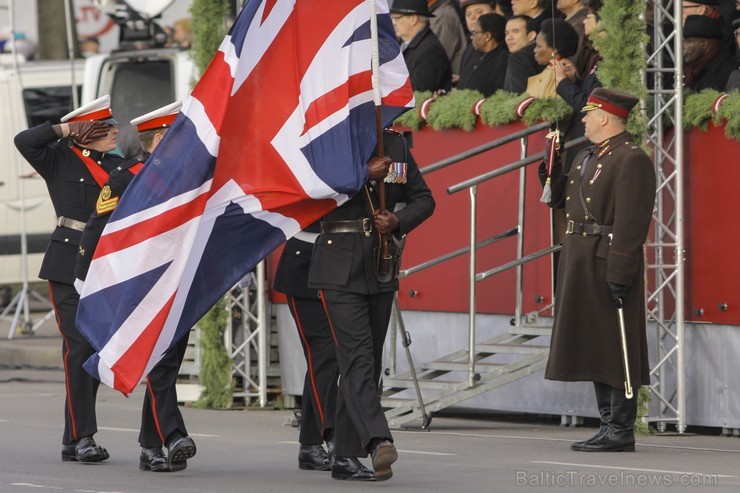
<point>484,147</point>
<point>508,168</point>
<point>515,263</point>
<point>456,253</point>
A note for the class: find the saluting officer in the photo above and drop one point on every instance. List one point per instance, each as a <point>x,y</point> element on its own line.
<point>75,169</point>
<point>608,197</point>
<point>358,305</point>
<point>161,420</point>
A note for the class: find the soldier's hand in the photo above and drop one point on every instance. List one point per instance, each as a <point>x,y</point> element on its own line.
<point>377,168</point>
<point>85,132</point>
<point>385,222</point>
<point>618,292</point>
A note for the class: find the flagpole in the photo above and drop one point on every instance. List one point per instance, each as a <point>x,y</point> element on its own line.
<point>375,67</point>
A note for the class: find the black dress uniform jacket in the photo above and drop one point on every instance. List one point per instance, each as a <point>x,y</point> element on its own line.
<point>72,189</point>
<point>345,262</point>
<point>429,67</point>
<point>612,184</point>
<point>358,306</point>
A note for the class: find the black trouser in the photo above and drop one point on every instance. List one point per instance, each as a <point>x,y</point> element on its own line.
<point>160,415</point>
<point>359,323</point>
<point>81,387</point>
<point>320,386</point>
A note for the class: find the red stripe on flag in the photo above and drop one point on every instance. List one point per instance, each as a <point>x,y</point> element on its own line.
<point>131,365</point>
<point>212,90</point>
<point>401,96</point>
<point>279,71</point>
<point>336,99</point>
<point>119,240</point>
<point>269,4</point>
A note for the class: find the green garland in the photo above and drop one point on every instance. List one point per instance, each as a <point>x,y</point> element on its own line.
<point>215,364</point>
<point>729,114</point>
<point>411,118</point>
<point>697,109</point>
<point>456,112</point>
<point>209,29</point>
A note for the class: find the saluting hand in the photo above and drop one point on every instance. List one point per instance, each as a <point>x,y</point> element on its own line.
<point>385,222</point>
<point>377,168</point>
<point>85,132</point>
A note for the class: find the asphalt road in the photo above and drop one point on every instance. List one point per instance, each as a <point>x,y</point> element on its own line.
<point>254,451</point>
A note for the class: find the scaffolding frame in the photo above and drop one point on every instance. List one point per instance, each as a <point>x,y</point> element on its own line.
<point>246,335</point>
<point>666,251</point>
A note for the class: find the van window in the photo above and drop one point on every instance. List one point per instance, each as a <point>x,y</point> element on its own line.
<point>48,103</point>
<point>137,86</point>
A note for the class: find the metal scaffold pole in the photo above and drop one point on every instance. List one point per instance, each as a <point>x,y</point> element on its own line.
<point>666,250</point>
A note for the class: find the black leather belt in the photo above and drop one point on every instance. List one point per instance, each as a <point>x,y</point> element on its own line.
<point>66,222</point>
<point>359,226</point>
<point>593,229</point>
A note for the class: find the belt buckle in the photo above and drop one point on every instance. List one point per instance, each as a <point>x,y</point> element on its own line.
<point>367,226</point>
<point>569,227</point>
<point>60,221</point>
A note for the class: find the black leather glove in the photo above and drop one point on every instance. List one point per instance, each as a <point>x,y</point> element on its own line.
<point>85,132</point>
<point>619,293</point>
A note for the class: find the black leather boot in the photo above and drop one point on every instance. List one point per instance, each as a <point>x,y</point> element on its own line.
<point>604,403</point>
<point>180,448</point>
<point>620,436</point>
<point>383,453</point>
<point>313,458</point>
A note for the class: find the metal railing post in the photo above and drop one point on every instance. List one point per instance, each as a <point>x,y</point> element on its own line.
<point>524,142</point>
<point>472,281</point>
<point>262,335</point>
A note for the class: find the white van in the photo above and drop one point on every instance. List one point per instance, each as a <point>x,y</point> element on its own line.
<point>30,95</point>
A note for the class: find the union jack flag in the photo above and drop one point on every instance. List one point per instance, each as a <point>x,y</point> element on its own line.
<point>276,134</point>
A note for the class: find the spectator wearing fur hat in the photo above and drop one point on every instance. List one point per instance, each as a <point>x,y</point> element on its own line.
<point>706,63</point>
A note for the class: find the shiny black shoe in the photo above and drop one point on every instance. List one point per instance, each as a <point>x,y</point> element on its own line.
<point>86,450</point>
<point>609,442</point>
<point>179,450</point>
<point>384,454</point>
<point>350,469</point>
<point>313,458</point>
<point>153,459</point>
<point>68,453</point>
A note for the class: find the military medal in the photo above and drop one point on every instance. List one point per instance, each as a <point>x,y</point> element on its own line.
<point>397,173</point>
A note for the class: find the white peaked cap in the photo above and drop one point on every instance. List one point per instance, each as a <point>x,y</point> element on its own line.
<point>98,110</point>
<point>159,118</point>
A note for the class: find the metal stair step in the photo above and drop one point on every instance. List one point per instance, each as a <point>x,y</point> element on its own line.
<point>510,348</point>
<point>532,330</point>
<point>424,384</point>
<point>459,366</point>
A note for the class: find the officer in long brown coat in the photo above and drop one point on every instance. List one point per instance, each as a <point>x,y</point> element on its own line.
<point>608,198</point>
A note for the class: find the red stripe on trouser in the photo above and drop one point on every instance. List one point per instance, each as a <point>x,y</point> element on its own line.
<point>66,372</point>
<point>154,408</point>
<point>309,360</point>
<point>331,325</point>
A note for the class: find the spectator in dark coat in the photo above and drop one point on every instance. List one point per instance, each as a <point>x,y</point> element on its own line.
<point>733,84</point>
<point>429,67</point>
<point>519,37</point>
<point>538,10</point>
<point>472,9</point>
<point>706,63</point>
<point>486,73</point>
<point>445,23</point>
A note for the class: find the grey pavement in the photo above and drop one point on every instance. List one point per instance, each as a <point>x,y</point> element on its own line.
<point>253,451</point>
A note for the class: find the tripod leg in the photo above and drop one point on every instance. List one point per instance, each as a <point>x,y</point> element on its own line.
<point>426,419</point>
